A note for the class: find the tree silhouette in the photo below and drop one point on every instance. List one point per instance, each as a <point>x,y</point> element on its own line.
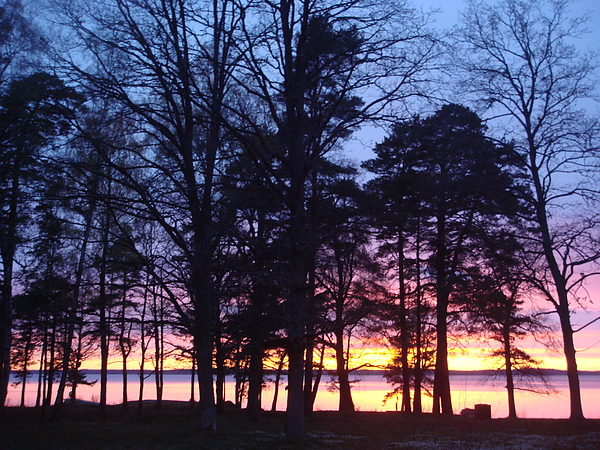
<point>494,305</point>
<point>347,275</point>
<point>458,183</point>
<point>321,59</point>
<point>33,111</point>
<point>164,67</point>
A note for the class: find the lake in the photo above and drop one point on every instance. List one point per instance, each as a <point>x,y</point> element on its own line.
<point>468,389</point>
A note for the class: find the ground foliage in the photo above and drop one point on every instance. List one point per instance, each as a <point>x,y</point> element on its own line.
<point>176,426</point>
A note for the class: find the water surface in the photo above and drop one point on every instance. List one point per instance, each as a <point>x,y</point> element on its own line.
<point>368,392</point>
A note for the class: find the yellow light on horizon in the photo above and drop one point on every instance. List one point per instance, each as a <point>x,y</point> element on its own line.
<point>470,356</point>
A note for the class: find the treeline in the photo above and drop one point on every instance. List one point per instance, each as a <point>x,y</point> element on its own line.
<point>175,171</point>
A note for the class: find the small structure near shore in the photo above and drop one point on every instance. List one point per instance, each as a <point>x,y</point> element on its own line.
<point>481,411</point>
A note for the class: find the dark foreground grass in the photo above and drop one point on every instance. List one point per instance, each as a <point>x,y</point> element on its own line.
<point>175,427</point>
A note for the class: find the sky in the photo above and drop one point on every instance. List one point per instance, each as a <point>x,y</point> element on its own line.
<point>472,355</point>
<point>587,341</point>
<point>450,11</point>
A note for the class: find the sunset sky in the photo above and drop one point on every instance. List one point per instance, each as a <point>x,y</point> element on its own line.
<point>587,341</point>
<point>471,355</point>
<point>212,207</point>
<point>465,354</point>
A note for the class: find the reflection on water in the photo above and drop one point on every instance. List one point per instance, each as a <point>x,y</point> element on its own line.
<point>468,389</point>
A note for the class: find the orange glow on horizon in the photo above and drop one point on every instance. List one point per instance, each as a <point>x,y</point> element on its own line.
<point>378,359</point>
<point>471,355</point>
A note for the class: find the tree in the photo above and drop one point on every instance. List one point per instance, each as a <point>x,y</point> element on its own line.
<point>396,220</point>
<point>303,66</point>
<point>412,362</point>
<point>33,111</point>
<point>24,341</point>
<point>519,61</point>
<point>463,184</point>
<point>20,42</point>
<point>84,189</point>
<point>125,267</point>
<point>254,261</point>
<point>347,275</point>
<point>164,65</point>
<point>494,305</point>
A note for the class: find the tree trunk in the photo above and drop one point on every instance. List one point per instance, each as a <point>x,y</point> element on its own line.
<point>404,340</point>
<point>345,403</point>
<point>42,366</point>
<point>6,319</point>
<point>77,362</point>
<point>442,402</point>
<point>317,380</point>
<point>239,380</point>
<point>310,340</point>
<point>220,373</point>
<point>158,351</point>
<point>193,379</point>
<point>8,248</point>
<point>308,375</point>
<point>295,427</point>
<point>25,372</point>
<point>562,306</point>
<point>103,321</point>
<point>417,404</point>
<point>103,349</point>
<point>296,304</point>
<point>124,343</point>
<point>72,316</point>
<point>575,405</point>
<point>255,379</point>
<point>201,209</point>
<point>294,135</point>
<point>143,346</point>
<point>510,384</point>
<point>277,381</point>
<point>124,372</point>
<point>50,371</point>
<point>296,314</point>
<point>205,337</point>
<point>256,331</point>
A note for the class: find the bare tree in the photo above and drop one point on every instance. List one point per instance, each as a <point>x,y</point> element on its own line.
<point>520,63</point>
<point>162,64</point>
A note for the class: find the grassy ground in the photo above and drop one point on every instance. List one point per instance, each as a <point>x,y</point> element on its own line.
<point>175,428</point>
